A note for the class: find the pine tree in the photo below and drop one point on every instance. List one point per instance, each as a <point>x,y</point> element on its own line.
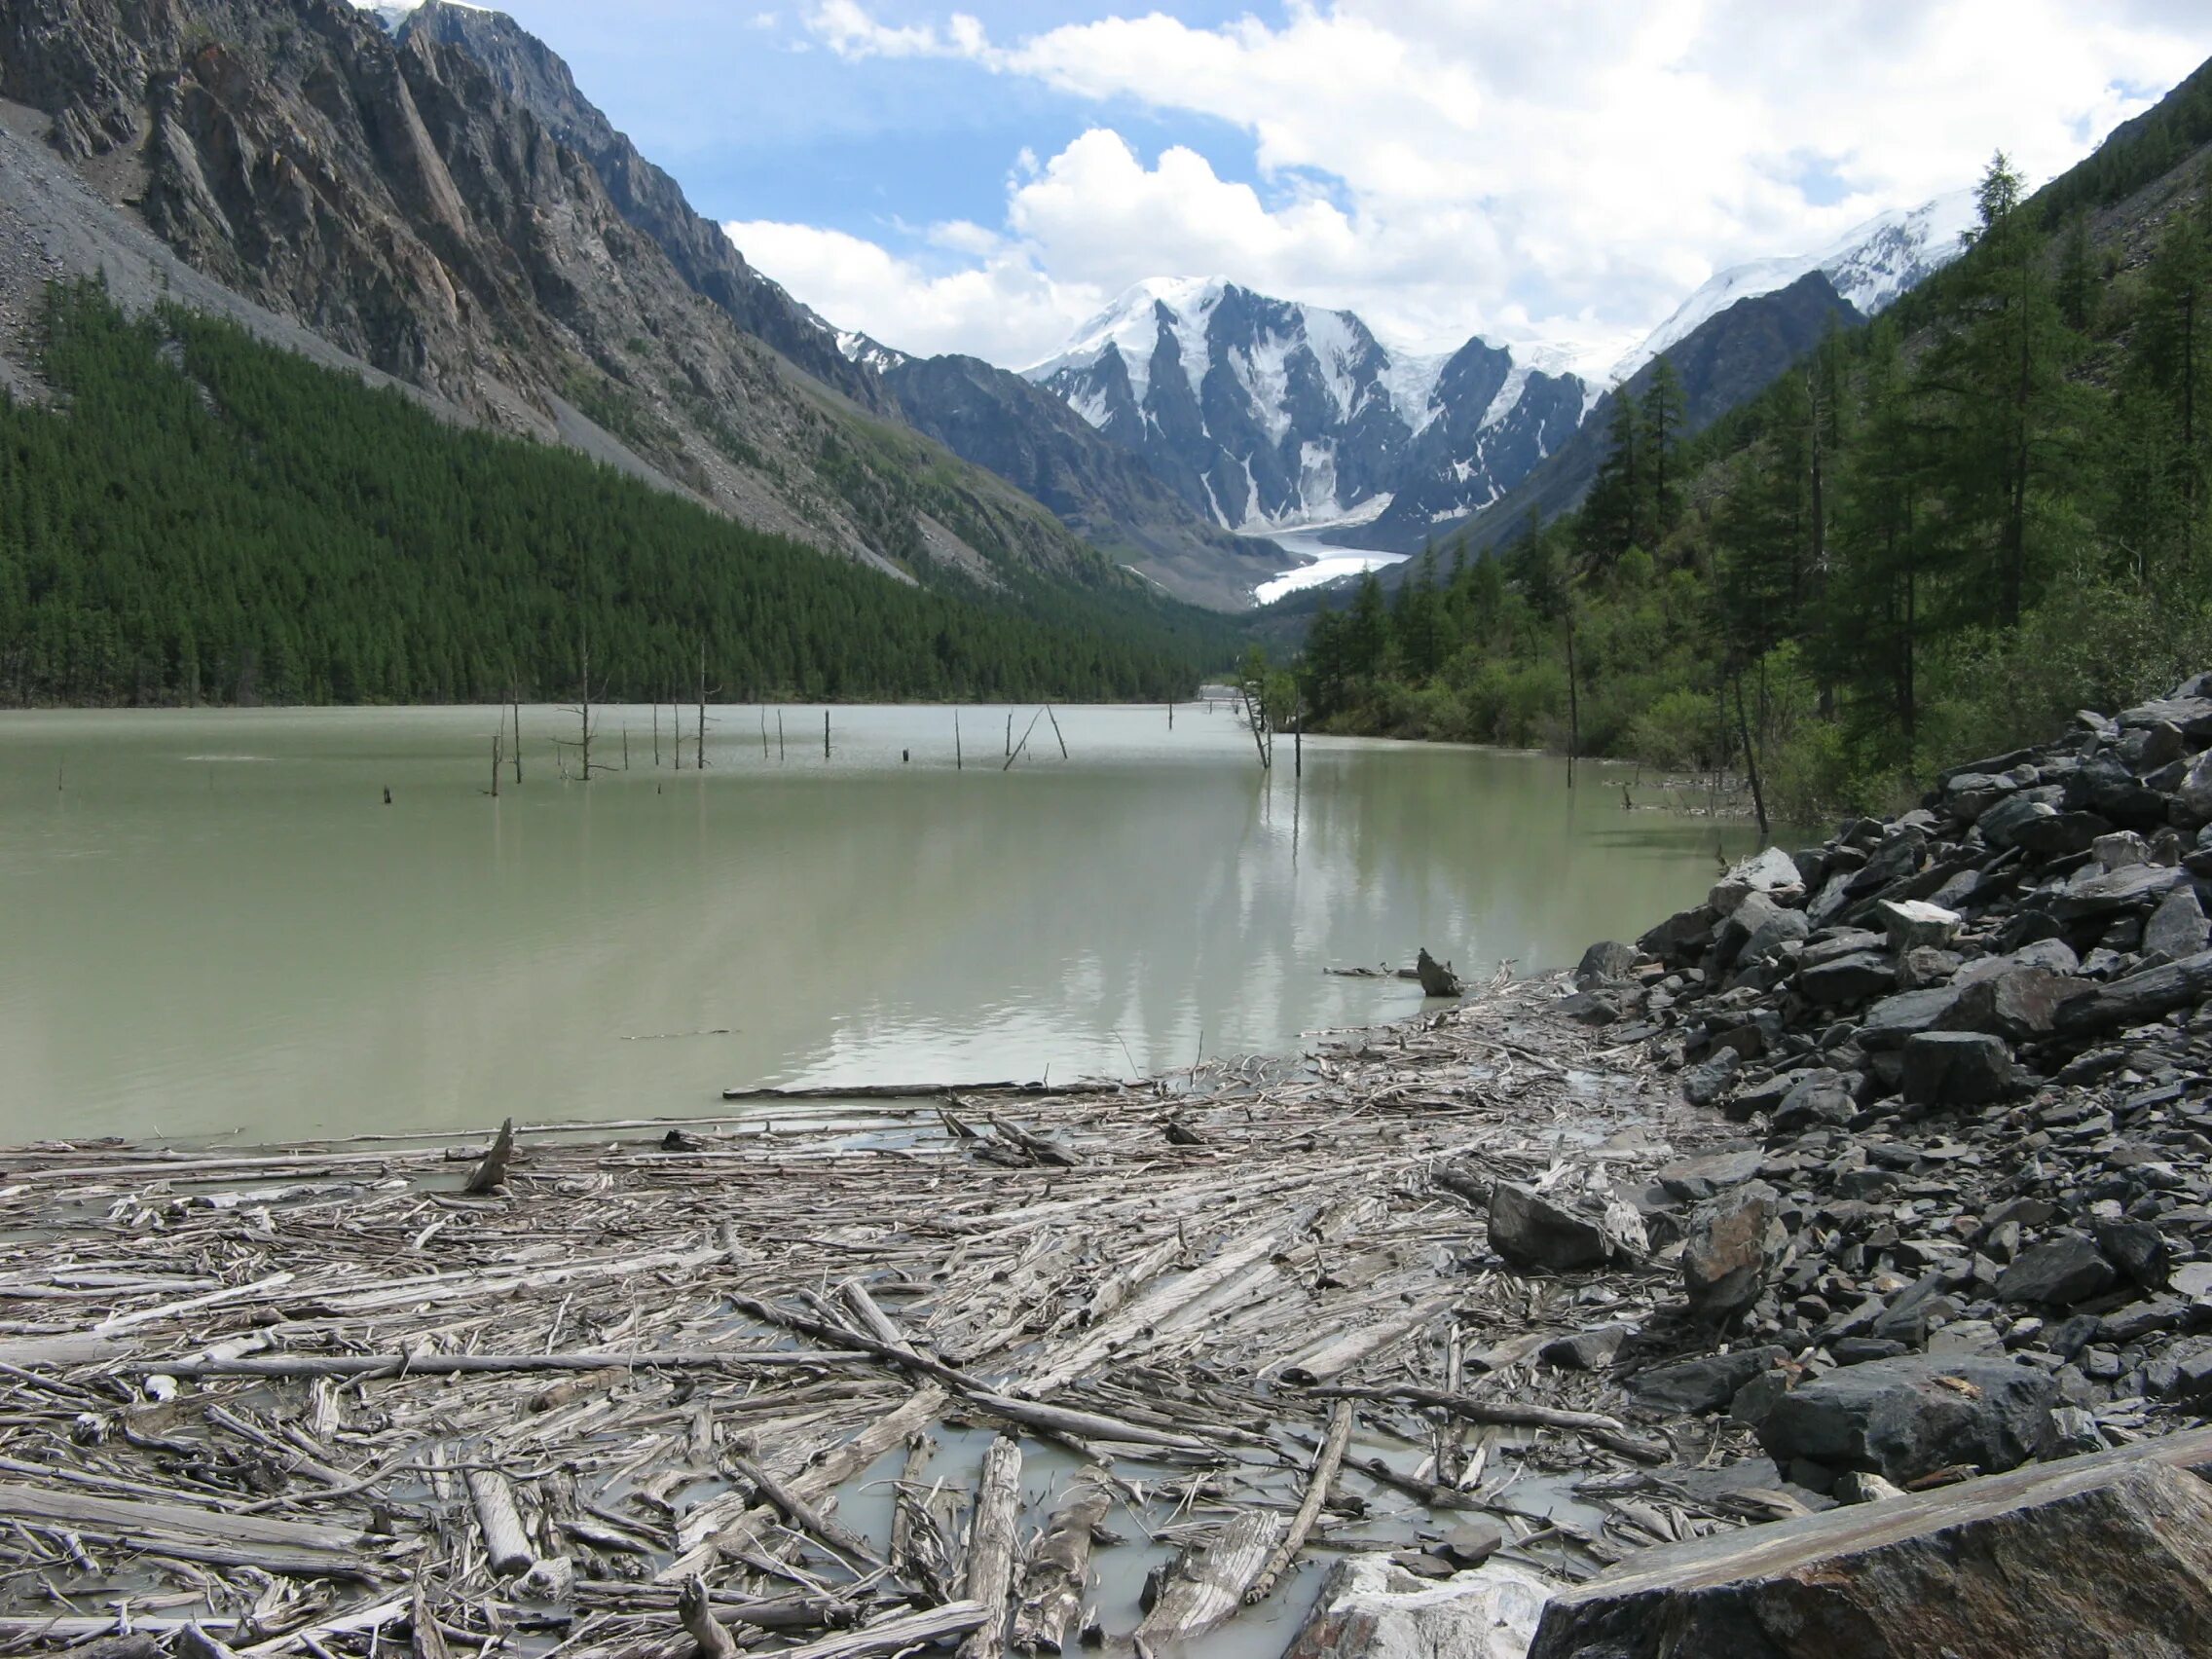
<point>1663,413</point>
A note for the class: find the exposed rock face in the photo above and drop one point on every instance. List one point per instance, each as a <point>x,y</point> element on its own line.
<point>535,77</point>
<point>2101,1555</point>
<point>389,196</point>
<point>1260,412</point>
<point>1725,361</point>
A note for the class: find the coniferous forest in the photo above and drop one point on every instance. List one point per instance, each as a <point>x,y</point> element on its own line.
<point>1939,535</point>
<point>205,519</point>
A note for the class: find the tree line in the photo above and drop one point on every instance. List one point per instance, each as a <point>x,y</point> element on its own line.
<point>196,517</point>
<point>1937,534</point>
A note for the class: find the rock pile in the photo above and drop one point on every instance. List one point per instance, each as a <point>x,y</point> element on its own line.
<point>1972,1043</point>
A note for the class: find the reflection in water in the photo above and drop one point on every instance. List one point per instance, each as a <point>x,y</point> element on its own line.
<point>198,946</point>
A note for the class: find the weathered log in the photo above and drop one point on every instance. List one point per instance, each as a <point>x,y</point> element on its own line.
<point>795,1510</point>
<point>696,1615</point>
<point>460,1364</point>
<point>1207,1588</point>
<point>990,1546</point>
<point>1325,1466</point>
<point>1607,1431</point>
<point>908,1631</point>
<point>506,1545</point>
<point>1051,1592</point>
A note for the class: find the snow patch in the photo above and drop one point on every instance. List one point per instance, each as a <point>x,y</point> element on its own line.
<point>1870,265</point>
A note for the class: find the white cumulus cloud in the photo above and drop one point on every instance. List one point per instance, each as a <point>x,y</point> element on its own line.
<point>1448,166</point>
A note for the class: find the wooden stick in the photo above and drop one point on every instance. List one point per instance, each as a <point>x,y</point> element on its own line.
<point>1604,1430</point>
<point>990,1548</point>
<point>1325,1467</point>
<point>1056,720</point>
<point>468,1364</point>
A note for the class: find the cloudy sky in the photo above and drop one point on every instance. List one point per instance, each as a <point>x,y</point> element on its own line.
<point>982,179</point>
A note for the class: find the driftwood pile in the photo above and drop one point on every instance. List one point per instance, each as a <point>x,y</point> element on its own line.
<point>839,1378</point>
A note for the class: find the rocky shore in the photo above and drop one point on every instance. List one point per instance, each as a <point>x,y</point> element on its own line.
<point>1700,1304</point>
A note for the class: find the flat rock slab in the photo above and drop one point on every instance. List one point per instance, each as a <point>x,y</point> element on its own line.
<point>2078,1559</point>
<point>1372,1609</point>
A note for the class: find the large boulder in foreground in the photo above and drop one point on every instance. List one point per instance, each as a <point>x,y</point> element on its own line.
<point>2079,1558</point>
<point>1533,1231</point>
<point>1909,1417</point>
<point>1372,1609</point>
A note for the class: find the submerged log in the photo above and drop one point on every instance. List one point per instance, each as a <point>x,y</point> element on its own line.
<point>1207,1588</point>
<point>1052,1594</point>
<point>990,1547</point>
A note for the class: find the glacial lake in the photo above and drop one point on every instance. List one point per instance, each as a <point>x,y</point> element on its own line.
<point>212,924</point>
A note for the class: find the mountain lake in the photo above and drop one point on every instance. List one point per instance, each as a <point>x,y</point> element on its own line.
<point>217,925</point>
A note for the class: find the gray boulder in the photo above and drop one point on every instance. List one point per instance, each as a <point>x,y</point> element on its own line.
<point>2097,892</point>
<point>1772,873</point>
<point>1958,1068</point>
<point>2057,1273</point>
<point>1910,923</point>
<point>1733,1244</point>
<point>1531,1229</point>
<point>1703,1383</point>
<point>2177,928</point>
<point>1606,959</point>
<point>2079,1558</point>
<point>1707,1081</point>
<point>1848,979</point>
<point>2002,824</point>
<point>1910,1416</point>
<point>2017,1003</point>
<point>2194,795</point>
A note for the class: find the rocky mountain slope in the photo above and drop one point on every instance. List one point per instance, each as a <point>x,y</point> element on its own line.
<point>383,193</point>
<point>1267,414</point>
<point>984,415</point>
<point>1724,362</point>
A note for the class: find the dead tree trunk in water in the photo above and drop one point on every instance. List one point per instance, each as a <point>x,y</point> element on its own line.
<point>1750,758</point>
<point>515,696</point>
<point>1436,977</point>
<point>495,759</point>
<point>825,734</point>
<point>956,761</point>
<point>1573,704</point>
<point>656,733</point>
<point>1056,720</point>
<point>699,755</point>
<point>583,711</point>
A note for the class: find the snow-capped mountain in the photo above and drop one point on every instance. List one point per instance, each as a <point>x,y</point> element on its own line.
<point>1268,414</point>
<point>1869,266</point>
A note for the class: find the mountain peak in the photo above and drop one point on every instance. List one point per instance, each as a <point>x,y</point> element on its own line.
<point>1869,266</point>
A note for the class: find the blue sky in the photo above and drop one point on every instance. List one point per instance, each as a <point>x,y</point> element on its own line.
<point>982,176</point>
